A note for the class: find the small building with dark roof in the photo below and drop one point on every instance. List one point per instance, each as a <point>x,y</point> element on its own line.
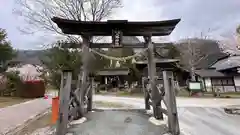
<point>213,79</point>
<point>162,63</point>
<point>230,64</point>
<point>113,77</point>
<point>222,75</point>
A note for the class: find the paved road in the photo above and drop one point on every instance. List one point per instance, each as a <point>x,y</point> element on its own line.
<point>13,116</point>
<point>197,116</point>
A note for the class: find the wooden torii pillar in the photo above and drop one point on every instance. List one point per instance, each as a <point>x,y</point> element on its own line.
<point>85,75</point>
<point>167,66</point>
<point>155,95</point>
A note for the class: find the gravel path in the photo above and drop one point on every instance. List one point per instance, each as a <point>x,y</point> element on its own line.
<point>14,116</point>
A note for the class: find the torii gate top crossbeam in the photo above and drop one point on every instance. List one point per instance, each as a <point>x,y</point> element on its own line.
<point>105,28</point>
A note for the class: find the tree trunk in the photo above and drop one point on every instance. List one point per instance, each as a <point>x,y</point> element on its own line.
<point>193,75</point>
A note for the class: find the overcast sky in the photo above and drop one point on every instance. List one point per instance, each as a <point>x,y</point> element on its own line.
<point>220,16</point>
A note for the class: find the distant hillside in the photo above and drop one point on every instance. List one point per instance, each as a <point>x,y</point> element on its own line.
<point>29,56</point>
<point>208,47</point>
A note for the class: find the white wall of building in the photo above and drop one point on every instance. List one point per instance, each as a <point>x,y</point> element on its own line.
<point>237,82</point>
<point>208,84</point>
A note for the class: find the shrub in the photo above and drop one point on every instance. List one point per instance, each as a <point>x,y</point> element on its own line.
<point>14,84</point>
<point>17,87</point>
<point>55,79</point>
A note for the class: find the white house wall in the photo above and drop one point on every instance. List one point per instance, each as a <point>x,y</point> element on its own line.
<point>208,84</point>
<point>222,88</point>
<point>229,89</point>
<point>237,82</point>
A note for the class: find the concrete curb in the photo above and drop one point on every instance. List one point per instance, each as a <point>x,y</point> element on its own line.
<point>27,122</point>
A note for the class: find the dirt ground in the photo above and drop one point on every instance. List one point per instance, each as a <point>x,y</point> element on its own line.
<point>42,122</point>
<point>8,101</point>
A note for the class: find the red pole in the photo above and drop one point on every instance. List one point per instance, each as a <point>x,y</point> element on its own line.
<point>55,109</point>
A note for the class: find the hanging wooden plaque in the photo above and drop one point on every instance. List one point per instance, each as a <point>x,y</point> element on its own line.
<point>117,39</point>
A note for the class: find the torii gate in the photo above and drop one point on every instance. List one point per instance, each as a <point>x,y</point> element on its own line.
<point>117,29</point>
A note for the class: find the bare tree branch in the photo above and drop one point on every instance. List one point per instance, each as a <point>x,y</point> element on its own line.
<point>231,45</point>
<point>38,13</point>
<point>192,53</point>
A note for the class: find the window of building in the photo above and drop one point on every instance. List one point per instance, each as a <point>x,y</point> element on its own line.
<point>222,81</point>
